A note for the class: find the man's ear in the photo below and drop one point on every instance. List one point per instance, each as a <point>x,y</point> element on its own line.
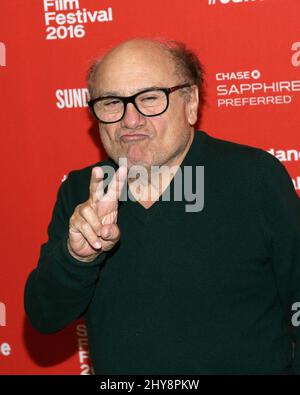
<point>193,105</point>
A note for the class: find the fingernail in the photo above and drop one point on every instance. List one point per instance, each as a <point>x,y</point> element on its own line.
<point>97,245</point>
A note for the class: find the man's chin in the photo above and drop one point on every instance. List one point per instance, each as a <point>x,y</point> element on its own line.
<point>138,164</point>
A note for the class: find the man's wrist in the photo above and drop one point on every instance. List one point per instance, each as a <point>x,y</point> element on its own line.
<point>91,258</point>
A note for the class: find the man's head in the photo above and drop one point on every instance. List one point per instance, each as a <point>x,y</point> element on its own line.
<point>135,66</point>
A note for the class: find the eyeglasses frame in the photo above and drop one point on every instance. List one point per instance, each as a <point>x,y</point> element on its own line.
<point>131,99</point>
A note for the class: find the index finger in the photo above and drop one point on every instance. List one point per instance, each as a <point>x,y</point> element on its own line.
<point>96,184</point>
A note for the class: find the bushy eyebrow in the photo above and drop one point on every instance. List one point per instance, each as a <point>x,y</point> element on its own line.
<point>117,94</point>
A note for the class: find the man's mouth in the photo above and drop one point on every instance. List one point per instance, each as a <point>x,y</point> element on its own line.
<point>132,137</point>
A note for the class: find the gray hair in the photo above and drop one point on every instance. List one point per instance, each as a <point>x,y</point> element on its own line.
<point>187,65</point>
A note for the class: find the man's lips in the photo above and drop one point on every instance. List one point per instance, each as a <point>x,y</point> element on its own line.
<point>133,137</point>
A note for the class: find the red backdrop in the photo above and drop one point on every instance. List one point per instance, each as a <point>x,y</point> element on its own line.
<point>251,52</point>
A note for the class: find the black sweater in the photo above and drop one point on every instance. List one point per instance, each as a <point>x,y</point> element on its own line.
<point>206,292</point>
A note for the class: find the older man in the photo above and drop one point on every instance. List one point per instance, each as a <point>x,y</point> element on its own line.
<point>163,289</point>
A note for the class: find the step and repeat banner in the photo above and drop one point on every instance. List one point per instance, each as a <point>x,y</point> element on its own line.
<point>251,53</point>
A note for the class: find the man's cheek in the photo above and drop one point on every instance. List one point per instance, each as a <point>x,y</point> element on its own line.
<point>107,134</point>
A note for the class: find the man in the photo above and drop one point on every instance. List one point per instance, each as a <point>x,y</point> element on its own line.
<point>163,289</point>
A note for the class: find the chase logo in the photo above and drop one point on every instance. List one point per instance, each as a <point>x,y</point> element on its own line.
<point>224,2</point>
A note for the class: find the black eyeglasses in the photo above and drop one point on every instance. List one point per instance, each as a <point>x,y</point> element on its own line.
<point>150,103</point>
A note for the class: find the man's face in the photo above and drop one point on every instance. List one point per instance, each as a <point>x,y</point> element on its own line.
<point>146,141</point>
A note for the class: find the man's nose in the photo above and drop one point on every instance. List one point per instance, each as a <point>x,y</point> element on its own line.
<point>132,118</point>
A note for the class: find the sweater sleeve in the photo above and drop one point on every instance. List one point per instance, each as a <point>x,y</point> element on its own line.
<point>281,216</point>
<point>60,288</point>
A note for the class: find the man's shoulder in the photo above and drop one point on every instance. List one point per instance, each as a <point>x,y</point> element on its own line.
<point>228,147</point>
<point>232,153</point>
<point>76,183</point>
<point>243,162</point>
<point>84,173</point>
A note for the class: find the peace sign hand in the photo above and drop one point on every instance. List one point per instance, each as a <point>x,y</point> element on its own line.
<point>93,226</point>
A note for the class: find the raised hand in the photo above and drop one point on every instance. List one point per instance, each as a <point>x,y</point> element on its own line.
<point>93,226</point>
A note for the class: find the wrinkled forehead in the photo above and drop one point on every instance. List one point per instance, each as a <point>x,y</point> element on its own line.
<point>130,69</point>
